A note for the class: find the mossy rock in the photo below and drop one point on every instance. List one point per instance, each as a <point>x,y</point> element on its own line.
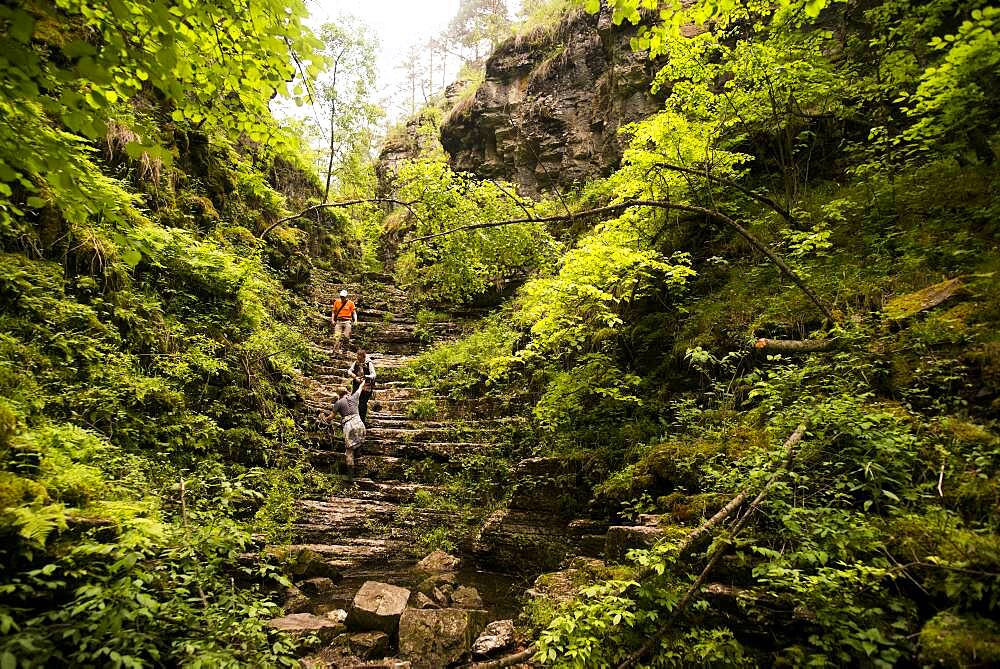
<point>678,464</point>
<point>15,490</point>
<point>689,508</point>
<point>8,424</point>
<point>960,640</point>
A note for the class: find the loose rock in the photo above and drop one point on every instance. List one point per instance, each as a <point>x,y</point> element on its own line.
<point>427,585</point>
<point>300,625</point>
<point>439,598</point>
<point>377,606</point>
<point>319,585</point>
<point>435,638</point>
<point>498,636</point>
<point>295,601</point>
<point>422,601</point>
<point>336,615</point>
<point>369,645</point>
<point>438,561</point>
<point>466,597</point>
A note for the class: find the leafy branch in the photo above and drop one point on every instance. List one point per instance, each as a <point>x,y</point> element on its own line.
<point>660,204</point>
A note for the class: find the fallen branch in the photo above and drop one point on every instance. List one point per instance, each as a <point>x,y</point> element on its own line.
<point>617,208</point>
<point>693,591</point>
<point>795,345</point>
<point>505,661</point>
<point>333,205</point>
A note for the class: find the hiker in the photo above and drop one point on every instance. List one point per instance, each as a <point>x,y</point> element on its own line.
<point>362,373</point>
<point>342,316</point>
<point>354,429</point>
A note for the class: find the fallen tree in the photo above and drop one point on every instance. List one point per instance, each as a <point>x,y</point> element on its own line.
<point>723,545</point>
<point>795,345</point>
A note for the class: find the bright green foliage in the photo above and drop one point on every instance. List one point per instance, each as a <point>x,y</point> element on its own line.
<point>463,265</point>
<point>471,365</point>
<point>148,346</point>
<point>858,142</point>
<point>345,89</point>
<point>71,67</point>
<point>957,98</point>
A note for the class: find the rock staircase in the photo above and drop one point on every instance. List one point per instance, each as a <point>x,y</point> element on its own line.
<point>362,526</point>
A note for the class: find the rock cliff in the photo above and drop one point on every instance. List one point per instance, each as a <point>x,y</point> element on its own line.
<point>548,112</point>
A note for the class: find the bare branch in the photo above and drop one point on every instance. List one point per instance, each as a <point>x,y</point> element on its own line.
<point>334,205</point>
<point>763,199</point>
<point>617,208</point>
<point>505,661</point>
<point>795,345</point>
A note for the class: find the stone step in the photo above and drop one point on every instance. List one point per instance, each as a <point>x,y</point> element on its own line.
<point>438,450</point>
<point>401,492</point>
<point>337,518</point>
<point>352,553</point>
<point>426,433</point>
<point>377,467</point>
<point>435,450</point>
<point>383,467</point>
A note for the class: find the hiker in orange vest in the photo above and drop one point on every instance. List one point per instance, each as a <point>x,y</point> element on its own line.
<point>342,316</point>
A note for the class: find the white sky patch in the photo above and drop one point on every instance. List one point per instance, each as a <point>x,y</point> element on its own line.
<point>397,25</point>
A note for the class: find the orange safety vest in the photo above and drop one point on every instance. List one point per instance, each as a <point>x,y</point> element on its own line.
<point>341,310</point>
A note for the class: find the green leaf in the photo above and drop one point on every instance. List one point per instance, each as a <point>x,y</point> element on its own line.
<point>592,6</point>
<point>132,257</point>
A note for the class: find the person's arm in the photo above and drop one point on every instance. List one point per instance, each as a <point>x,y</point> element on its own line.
<point>354,315</point>
<point>357,393</point>
<point>371,370</point>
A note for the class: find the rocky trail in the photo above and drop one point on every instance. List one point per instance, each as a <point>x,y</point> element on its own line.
<point>360,591</point>
<point>362,588</point>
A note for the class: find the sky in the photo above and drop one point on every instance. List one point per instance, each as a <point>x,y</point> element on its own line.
<point>397,24</point>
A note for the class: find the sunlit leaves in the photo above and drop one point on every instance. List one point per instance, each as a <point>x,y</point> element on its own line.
<point>465,264</point>
<point>215,65</point>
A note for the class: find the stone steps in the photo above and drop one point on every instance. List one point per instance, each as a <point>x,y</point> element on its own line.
<point>355,518</point>
<point>354,553</point>
<point>370,520</point>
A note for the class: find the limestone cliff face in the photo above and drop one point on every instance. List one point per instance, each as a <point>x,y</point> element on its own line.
<point>548,113</point>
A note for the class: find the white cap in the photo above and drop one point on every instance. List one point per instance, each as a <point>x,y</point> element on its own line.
<point>343,293</point>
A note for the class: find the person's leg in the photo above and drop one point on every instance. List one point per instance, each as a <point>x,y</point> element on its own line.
<point>347,331</point>
<point>338,329</point>
<point>363,405</point>
<point>349,461</point>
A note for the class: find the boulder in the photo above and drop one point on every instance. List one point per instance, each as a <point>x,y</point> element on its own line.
<point>427,585</point>
<point>369,645</point>
<point>622,538</point>
<point>377,606</point>
<point>301,625</point>
<point>466,597</point>
<point>498,636</point>
<point>318,585</point>
<point>435,638</point>
<point>438,561</point>
<point>295,601</point>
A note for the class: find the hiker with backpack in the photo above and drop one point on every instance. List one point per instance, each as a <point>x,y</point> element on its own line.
<point>362,373</point>
<point>343,315</point>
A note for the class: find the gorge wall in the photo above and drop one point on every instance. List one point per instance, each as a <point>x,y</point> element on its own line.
<point>549,110</point>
